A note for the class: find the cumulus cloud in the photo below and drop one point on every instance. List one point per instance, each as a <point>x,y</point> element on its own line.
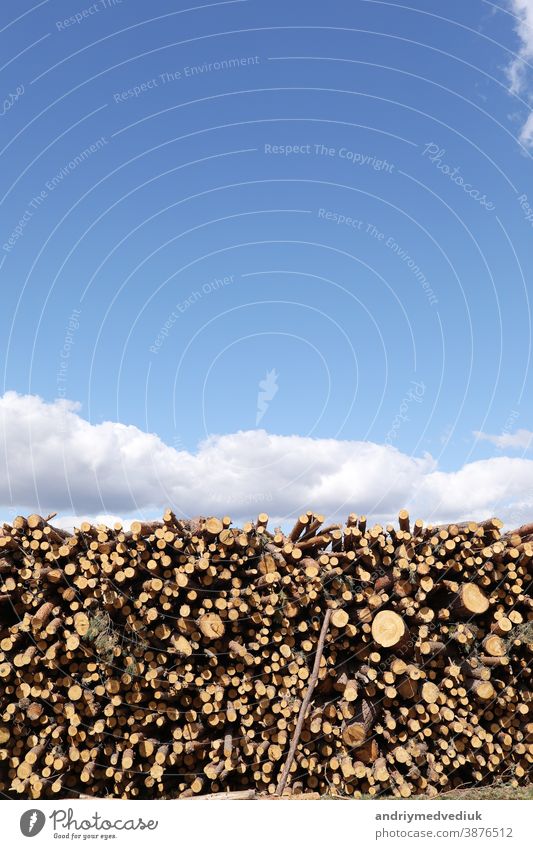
<point>520,440</point>
<point>517,69</point>
<point>526,132</point>
<point>51,458</point>
<point>69,522</point>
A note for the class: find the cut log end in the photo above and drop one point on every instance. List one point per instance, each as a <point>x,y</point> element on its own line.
<point>388,629</point>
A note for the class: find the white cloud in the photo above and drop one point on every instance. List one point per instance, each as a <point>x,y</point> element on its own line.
<point>520,440</point>
<point>484,488</point>
<point>53,459</point>
<point>517,68</point>
<point>526,133</point>
<point>69,522</point>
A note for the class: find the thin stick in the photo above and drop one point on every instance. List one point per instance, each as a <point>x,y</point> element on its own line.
<point>230,794</point>
<point>305,704</point>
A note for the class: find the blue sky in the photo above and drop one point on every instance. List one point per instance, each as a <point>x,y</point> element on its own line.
<point>267,256</point>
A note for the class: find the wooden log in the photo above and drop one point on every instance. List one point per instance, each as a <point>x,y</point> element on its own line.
<point>339,618</point>
<point>356,733</point>
<point>388,629</point>
<point>494,646</point>
<point>502,627</point>
<point>430,692</point>
<point>211,626</point>
<point>230,795</point>
<point>483,690</point>
<point>470,600</point>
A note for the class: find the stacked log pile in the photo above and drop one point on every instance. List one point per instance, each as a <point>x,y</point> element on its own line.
<point>178,658</point>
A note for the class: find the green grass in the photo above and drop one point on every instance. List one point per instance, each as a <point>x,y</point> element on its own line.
<point>498,791</point>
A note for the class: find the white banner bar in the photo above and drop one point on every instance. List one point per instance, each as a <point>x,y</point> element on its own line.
<point>314,824</point>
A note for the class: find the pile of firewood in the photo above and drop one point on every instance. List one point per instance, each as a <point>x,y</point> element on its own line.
<point>190,657</point>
